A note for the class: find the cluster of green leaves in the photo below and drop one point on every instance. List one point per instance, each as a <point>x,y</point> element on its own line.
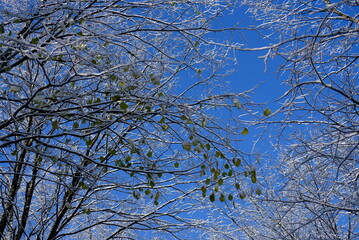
<point>217,178</point>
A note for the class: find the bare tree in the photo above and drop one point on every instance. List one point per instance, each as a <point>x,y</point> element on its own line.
<point>311,181</point>
<point>311,192</point>
<point>113,118</point>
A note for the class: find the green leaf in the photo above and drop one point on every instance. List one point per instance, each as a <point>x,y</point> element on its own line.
<point>222,198</point>
<point>242,195</point>
<point>244,131</point>
<point>148,108</point>
<point>149,154</point>
<point>59,58</point>
<point>267,112</point>
<point>208,146</point>
<point>165,127</point>
<point>35,41</point>
<point>2,29</point>
<point>118,163</point>
<point>230,197</point>
<point>237,186</point>
<point>148,192</point>
<point>136,195</point>
<point>183,117</point>
<point>116,98</point>
<point>55,124</point>
<point>88,142</point>
<point>220,182</point>
<point>237,104</point>
<point>134,150</point>
<point>113,77</point>
<point>83,185</point>
<point>212,197</point>
<point>253,178</point>
<point>76,125</point>
<point>176,165</point>
<point>218,154</point>
<point>199,71</point>
<point>155,80</point>
<point>111,151</point>
<point>163,119</point>
<point>204,194</point>
<point>204,191</point>
<point>123,106</point>
<point>258,191</point>
<point>236,162</point>
<point>186,145</point>
<point>54,158</point>
<point>203,123</point>
<point>87,211</point>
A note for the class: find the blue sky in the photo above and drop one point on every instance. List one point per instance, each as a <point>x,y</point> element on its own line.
<point>251,70</point>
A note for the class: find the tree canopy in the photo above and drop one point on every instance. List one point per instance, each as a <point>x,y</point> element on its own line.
<point>114,119</point>
<point>311,180</point>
